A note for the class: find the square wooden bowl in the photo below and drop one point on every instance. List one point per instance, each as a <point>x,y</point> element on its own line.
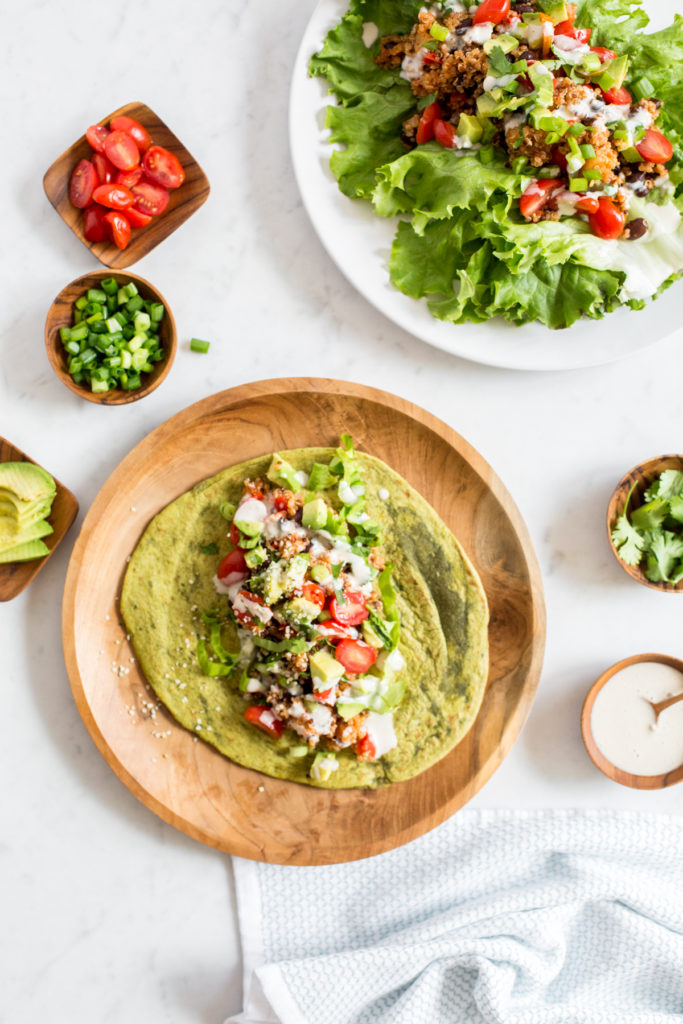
<point>14,576</point>
<point>183,203</point>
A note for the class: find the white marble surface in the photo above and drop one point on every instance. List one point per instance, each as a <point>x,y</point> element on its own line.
<point>109,915</point>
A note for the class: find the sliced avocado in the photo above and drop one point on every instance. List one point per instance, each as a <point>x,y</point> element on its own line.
<point>556,10</point>
<point>469,127</point>
<point>24,552</point>
<point>504,41</point>
<point>273,583</point>
<point>370,636</point>
<point>314,514</point>
<point>614,73</point>
<point>282,473</point>
<point>320,573</point>
<point>325,670</point>
<point>631,154</point>
<point>27,481</point>
<point>349,709</point>
<point>24,511</point>
<point>295,572</point>
<point>299,610</point>
<point>249,527</point>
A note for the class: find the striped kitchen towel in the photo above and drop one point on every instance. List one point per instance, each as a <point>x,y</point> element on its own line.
<point>512,917</point>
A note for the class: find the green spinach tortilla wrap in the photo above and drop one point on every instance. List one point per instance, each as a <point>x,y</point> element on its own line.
<point>310,616</point>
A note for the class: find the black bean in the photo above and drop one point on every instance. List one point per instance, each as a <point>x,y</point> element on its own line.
<point>463,26</point>
<point>527,55</point>
<point>635,176</point>
<point>525,8</point>
<point>636,228</point>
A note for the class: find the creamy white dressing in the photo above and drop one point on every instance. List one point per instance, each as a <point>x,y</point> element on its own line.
<point>302,477</point>
<point>251,511</point>
<point>491,83</point>
<point>413,66</point>
<point>346,493</point>
<point>322,719</point>
<point>230,589</point>
<point>623,723</point>
<point>514,120</point>
<point>380,729</point>
<point>370,33</point>
<point>395,660</point>
<point>478,33</point>
<point>242,603</point>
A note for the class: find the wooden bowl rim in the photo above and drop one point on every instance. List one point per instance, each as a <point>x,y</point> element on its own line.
<point>597,757</point>
<point>231,842</point>
<point>613,512</point>
<point>62,495</point>
<point>117,396</point>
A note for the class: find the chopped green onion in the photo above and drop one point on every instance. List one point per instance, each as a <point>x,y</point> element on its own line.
<point>587,151</point>
<point>156,312</point>
<point>552,138</point>
<point>81,303</point>
<point>96,295</point>
<point>109,286</point>
<point>197,345</point>
<point>639,133</point>
<point>621,134</point>
<point>439,32</point>
<point>592,174</point>
<point>577,184</point>
<point>576,129</point>
<point>551,171</point>
<point>642,89</point>
<point>519,164</point>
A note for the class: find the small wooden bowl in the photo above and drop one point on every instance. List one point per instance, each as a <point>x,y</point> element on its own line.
<point>60,315</point>
<point>642,476</point>
<point>183,203</point>
<point>14,576</point>
<point>596,755</point>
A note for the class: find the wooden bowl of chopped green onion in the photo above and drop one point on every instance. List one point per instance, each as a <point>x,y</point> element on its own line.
<point>110,337</point>
<point>645,523</point>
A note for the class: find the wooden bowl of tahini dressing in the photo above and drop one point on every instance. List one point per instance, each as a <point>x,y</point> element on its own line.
<point>624,737</point>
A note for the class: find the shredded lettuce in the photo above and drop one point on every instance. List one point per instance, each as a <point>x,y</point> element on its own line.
<point>461,244</point>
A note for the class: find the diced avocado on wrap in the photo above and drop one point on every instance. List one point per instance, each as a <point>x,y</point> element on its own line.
<point>169,594</point>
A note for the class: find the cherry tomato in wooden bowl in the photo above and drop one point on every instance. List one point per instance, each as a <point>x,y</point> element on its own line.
<point>163,167</point>
<point>83,183</point>
<point>119,228</point>
<point>150,198</point>
<point>120,148</point>
<point>137,132</point>
<point>116,197</point>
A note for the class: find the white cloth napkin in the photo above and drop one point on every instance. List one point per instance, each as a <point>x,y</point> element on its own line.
<point>520,917</point>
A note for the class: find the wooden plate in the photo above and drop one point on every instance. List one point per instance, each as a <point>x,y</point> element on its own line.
<point>183,203</point>
<point>185,781</point>
<point>14,576</point>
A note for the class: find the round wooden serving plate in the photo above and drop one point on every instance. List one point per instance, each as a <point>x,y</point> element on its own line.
<point>185,781</point>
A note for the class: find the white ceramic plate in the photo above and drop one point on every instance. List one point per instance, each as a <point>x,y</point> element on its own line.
<point>359,242</point>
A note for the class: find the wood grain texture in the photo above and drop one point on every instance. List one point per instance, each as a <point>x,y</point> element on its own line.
<point>183,203</point>
<point>184,780</point>
<point>15,576</point>
<point>642,477</point>
<point>60,314</point>
<point>594,752</point>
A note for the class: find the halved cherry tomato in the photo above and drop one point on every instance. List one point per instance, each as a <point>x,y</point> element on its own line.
<point>136,131</point>
<point>582,35</point>
<point>365,749</point>
<point>432,57</point>
<point>607,222</point>
<point>333,631</point>
<point>137,219</point>
<point>564,27</point>
<point>94,226</point>
<point>355,656</point>
<point>106,172</point>
<point>444,133</point>
<point>235,536</point>
<point>323,695</point>
<point>280,502</point>
<point>119,228</point>
<point>96,134</point>
<point>491,10</point>
<point>233,565</point>
<point>244,617</point>
<point>655,147</point>
<point>603,53</point>
<point>83,183</point>
<point>150,198</point>
<point>264,719</point>
<point>560,159</point>
<point>351,612</point>
<point>536,195</point>
<point>116,197</point>
<point>620,96</point>
<point>425,129</point>
<point>163,167</point>
<point>313,593</point>
<point>120,148</point>
<point>587,204</point>
<point>129,178</point>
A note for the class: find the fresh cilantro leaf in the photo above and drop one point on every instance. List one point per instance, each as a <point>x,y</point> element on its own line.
<point>665,548</point>
<point>676,507</point>
<point>677,574</point>
<point>628,541</point>
<point>650,516</point>
<point>499,65</point>
<point>670,484</point>
<point>433,44</point>
<point>425,101</point>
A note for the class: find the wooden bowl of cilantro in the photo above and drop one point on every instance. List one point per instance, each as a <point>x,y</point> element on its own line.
<point>645,523</point>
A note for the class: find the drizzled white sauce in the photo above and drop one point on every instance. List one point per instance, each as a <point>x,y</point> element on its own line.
<point>243,604</point>
<point>251,511</point>
<point>623,723</point>
<point>413,66</point>
<point>494,83</point>
<point>380,729</point>
<point>370,33</point>
<point>478,33</point>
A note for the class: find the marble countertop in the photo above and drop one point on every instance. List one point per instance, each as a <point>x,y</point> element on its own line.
<point>107,910</point>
